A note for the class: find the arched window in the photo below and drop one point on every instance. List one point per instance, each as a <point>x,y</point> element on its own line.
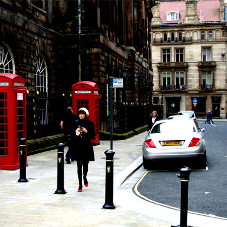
<point>6,59</point>
<point>165,37</point>
<point>202,36</point>
<point>41,75</point>
<point>41,91</point>
<point>180,36</point>
<point>210,36</point>
<point>172,36</point>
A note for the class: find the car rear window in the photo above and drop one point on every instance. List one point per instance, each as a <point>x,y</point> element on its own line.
<point>174,127</point>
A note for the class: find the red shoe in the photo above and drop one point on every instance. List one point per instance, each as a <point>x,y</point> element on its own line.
<point>80,189</point>
<point>85,182</point>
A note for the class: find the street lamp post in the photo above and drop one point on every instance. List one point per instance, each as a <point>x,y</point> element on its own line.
<point>162,102</point>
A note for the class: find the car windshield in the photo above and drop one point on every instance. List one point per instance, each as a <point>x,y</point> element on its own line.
<point>174,127</point>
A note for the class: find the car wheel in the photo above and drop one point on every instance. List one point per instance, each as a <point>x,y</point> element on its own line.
<point>145,163</point>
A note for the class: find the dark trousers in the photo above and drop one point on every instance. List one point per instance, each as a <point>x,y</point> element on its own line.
<point>80,165</point>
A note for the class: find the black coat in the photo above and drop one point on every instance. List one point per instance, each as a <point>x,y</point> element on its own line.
<point>150,123</point>
<point>82,146</point>
<point>68,120</point>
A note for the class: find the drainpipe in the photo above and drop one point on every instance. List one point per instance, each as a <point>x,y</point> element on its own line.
<point>79,32</point>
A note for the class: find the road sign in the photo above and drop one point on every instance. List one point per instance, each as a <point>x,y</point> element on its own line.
<point>118,83</point>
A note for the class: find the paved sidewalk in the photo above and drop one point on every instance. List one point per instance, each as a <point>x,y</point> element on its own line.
<point>35,204</point>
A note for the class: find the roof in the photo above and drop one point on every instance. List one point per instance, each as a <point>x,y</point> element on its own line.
<point>207,11</point>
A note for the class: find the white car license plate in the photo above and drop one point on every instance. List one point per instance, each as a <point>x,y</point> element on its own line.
<point>171,143</point>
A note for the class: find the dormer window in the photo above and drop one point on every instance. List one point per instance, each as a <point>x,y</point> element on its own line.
<point>172,16</point>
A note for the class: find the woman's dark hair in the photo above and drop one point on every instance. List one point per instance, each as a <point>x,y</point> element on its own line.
<point>82,112</point>
<point>68,110</point>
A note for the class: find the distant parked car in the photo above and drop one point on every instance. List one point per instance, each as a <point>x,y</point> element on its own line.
<point>175,139</point>
<point>191,114</point>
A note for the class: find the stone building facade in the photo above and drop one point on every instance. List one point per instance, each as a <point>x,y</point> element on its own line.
<point>39,41</point>
<point>189,57</point>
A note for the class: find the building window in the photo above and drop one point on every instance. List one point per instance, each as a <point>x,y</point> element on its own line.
<point>6,59</point>
<point>225,13</point>
<point>179,80</point>
<point>202,36</point>
<point>165,37</point>
<point>180,36</point>
<point>207,82</point>
<point>207,54</point>
<point>172,37</point>
<point>172,16</point>
<point>41,75</point>
<point>166,55</point>
<point>41,91</point>
<point>179,55</point>
<point>166,80</point>
<point>210,36</point>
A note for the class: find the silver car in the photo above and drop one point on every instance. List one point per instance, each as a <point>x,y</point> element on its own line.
<point>175,139</point>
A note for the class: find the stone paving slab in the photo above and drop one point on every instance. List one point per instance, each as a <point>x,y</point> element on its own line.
<point>34,203</point>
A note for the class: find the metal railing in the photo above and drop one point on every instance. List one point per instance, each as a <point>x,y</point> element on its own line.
<point>179,87</point>
<point>169,40</point>
<point>206,86</point>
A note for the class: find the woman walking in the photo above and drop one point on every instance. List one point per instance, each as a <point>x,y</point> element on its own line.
<point>153,119</point>
<point>82,132</point>
<point>66,125</point>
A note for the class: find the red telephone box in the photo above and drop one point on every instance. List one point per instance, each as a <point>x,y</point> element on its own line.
<point>12,119</point>
<point>86,94</point>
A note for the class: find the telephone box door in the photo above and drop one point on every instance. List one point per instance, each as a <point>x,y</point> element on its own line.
<point>86,94</point>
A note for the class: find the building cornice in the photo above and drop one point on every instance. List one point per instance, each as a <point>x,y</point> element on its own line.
<point>207,24</point>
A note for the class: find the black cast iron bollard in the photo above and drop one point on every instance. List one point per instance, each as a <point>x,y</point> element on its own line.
<point>109,180</point>
<point>184,178</point>
<point>22,154</point>
<point>60,170</point>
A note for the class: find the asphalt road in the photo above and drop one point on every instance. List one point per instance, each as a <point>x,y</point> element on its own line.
<point>207,187</point>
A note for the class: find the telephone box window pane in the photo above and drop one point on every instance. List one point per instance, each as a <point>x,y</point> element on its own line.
<point>20,111</point>
<point>2,143</point>
<point>2,151</point>
<point>1,103</point>
<point>2,135</point>
<point>20,127</point>
<point>1,119</point>
<point>20,135</point>
<point>82,101</point>
<point>1,111</point>
<point>86,101</point>
<point>20,119</point>
<point>20,103</point>
<point>78,101</point>
<point>1,95</point>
